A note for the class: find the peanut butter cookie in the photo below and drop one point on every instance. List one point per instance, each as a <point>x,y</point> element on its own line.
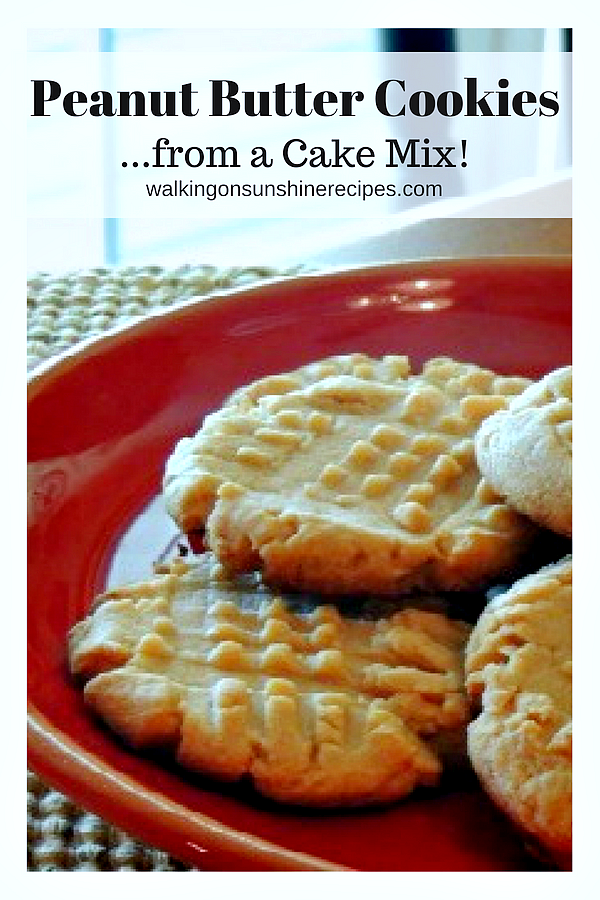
<point>315,708</point>
<point>525,451</point>
<point>352,476</point>
<point>518,670</point>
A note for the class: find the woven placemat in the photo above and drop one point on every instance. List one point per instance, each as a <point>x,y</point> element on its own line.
<point>60,312</point>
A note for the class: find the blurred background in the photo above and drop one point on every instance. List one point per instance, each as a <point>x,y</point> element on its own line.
<point>544,166</point>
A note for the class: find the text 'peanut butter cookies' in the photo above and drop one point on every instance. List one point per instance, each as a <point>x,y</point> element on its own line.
<point>518,667</point>
<point>353,476</point>
<point>314,708</point>
<point>525,451</point>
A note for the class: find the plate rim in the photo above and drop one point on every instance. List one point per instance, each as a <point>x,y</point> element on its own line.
<point>49,753</point>
<point>58,758</point>
<point>62,361</point>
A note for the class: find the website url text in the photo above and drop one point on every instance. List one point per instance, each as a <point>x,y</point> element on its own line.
<point>362,190</point>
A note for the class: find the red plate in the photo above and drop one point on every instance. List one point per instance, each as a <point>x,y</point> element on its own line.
<point>102,420</point>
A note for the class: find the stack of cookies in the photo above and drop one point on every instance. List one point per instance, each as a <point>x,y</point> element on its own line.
<point>350,478</point>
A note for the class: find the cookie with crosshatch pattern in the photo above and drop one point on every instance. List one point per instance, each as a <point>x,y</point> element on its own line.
<point>316,708</point>
<point>525,451</point>
<point>352,475</point>
<point>518,673</point>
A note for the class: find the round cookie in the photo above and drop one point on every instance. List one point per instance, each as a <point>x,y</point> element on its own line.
<point>315,708</point>
<point>352,475</point>
<point>525,451</point>
<point>518,670</point>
